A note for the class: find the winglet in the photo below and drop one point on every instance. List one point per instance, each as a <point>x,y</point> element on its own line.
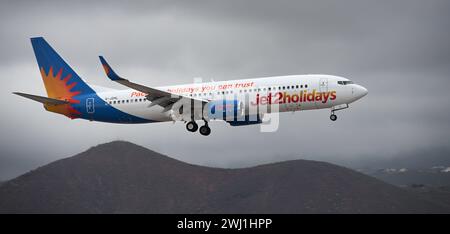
<point>109,71</point>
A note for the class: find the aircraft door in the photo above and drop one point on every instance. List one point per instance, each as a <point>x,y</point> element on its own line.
<point>323,85</point>
<point>323,88</point>
<point>90,109</point>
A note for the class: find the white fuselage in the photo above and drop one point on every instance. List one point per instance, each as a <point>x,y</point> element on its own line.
<point>286,93</point>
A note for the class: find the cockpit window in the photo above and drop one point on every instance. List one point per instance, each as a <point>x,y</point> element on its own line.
<point>345,82</point>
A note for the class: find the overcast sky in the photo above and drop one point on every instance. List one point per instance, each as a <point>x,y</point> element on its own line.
<point>398,50</point>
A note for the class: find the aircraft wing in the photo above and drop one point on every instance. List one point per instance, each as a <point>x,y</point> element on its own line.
<point>156,96</point>
<point>43,100</point>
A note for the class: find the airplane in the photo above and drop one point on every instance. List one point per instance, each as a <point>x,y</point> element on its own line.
<point>238,102</point>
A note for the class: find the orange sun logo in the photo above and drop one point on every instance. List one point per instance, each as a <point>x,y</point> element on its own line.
<point>58,88</point>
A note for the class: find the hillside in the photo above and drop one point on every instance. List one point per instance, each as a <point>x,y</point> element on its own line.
<point>120,177</point>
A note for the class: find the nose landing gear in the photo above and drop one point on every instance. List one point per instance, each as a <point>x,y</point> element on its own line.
<point>333,117</point>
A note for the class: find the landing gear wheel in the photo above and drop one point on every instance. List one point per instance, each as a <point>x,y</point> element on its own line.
<point>333,117</point>
<point>191,126</point>
<point>205,130</point>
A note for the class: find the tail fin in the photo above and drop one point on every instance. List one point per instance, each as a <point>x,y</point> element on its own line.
<point>61,82</point>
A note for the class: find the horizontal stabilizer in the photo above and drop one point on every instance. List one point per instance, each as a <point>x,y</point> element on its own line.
<point>44,100</point>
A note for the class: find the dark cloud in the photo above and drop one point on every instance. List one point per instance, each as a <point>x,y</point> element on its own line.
<point>399,50</point>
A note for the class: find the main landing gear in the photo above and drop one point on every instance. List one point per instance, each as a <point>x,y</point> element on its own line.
<point>192,126</point>
<point>205,130</point>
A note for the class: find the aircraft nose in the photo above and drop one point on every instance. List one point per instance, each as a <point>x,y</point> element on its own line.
<point>360,91</point>
<point>363,91</point>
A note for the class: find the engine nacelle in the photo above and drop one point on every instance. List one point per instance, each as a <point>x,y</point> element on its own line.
<point>225,109</point>
<point>246,120</point>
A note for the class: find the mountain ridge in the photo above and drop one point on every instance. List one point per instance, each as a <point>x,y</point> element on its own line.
<point>122,177</point>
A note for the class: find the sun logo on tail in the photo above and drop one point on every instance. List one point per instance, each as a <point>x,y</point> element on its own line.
<point>58,88</point>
